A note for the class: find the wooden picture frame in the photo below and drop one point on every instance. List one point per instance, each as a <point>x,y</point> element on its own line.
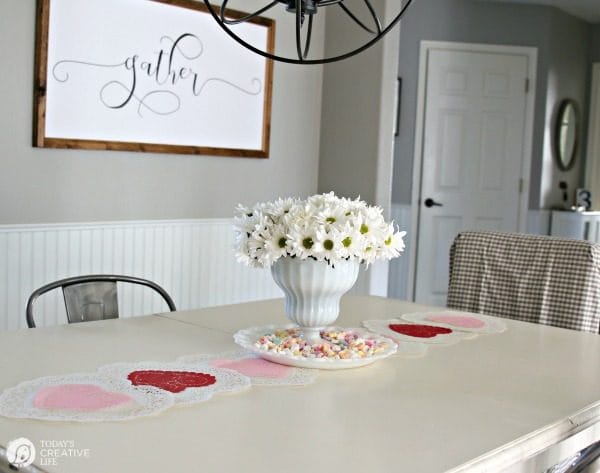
<point>151,76</point>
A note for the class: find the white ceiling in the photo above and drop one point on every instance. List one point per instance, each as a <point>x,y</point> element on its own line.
<point>588,10</point>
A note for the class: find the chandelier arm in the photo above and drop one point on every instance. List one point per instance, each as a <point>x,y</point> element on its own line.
<point>360,23</point>
<point>308,37</point>
<point>244,18</point>
<point>374,15</point>
<point>299,32</point>
<point>288,60</point>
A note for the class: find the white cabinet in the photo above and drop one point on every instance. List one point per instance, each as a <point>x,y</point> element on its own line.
<point>579,225</point>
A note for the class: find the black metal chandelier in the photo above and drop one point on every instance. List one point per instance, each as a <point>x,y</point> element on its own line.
<point>305,11</point>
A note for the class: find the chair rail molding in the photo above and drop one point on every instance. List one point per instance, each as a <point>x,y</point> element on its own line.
<point>192,259</point>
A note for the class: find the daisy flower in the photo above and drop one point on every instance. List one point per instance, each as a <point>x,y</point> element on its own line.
<point>323,227</point>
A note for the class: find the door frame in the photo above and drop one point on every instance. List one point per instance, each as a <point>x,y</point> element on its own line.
<point>426,46</point>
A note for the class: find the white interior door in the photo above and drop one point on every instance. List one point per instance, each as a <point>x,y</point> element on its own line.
<point>474,125</point>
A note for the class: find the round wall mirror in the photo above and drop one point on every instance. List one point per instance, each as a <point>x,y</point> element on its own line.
<point>565,139</point>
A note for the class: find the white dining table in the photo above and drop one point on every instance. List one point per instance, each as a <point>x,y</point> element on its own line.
<point>517,401</point>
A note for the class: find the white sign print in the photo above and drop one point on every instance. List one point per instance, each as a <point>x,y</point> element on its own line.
<point>144,71</point>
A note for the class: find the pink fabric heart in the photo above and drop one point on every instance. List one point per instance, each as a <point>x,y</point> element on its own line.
<point>85,397</point>
<point>462,321</point>
<point>254,367</point>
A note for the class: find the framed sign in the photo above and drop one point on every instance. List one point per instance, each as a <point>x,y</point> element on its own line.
<point>150,75</point>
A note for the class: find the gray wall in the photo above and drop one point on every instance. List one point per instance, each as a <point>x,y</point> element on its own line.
<point>43,185</point>
<point>357,115</point>
<point>346,166</point>
<point>596,43</point>
<point>568,77</point>
<point>350,114</point>
<point>563,45</point>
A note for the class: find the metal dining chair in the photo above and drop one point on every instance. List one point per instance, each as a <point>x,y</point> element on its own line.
<point>540,279</point>
<point>92,297</point>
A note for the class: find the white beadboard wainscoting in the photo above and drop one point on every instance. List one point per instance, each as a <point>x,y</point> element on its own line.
<point>192,259</point>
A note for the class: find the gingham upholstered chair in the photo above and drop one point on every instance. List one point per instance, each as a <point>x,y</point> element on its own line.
<point>540,279</point>
<point>546,280</point>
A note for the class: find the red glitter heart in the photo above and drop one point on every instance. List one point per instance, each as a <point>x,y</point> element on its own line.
<point>420,331</point>
<point>172,381</point>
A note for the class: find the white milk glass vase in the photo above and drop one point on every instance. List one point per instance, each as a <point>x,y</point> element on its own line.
<point>313,290</point>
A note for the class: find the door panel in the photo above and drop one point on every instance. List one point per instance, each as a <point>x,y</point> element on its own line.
<point>496,84</point>
<point>492,151</point>
<point>451,149</point>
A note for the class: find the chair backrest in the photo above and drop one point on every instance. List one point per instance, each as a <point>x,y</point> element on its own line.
<point>540,279</point>
<point>92,297</point>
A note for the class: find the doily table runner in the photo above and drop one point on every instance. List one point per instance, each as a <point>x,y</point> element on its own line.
<point>123,391</point>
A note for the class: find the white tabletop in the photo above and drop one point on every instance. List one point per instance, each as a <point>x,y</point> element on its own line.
<point>480,405</point>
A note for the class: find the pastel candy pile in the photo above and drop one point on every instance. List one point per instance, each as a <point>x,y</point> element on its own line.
<point>340,345</point>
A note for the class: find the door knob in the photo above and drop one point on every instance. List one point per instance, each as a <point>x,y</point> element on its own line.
<point>429,202</point>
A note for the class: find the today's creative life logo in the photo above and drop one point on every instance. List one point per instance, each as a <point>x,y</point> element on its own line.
<point>20,452</point>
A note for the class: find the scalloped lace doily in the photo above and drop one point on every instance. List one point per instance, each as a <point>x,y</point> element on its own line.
<point>411,332</point>
<point>82,397</point>
<point>261,372</point>
<point>178,379</point>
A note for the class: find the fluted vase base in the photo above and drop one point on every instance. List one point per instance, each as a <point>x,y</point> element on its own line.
<point>313,290</point>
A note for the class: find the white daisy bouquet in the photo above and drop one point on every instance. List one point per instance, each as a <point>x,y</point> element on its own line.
<point>323,227</point>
